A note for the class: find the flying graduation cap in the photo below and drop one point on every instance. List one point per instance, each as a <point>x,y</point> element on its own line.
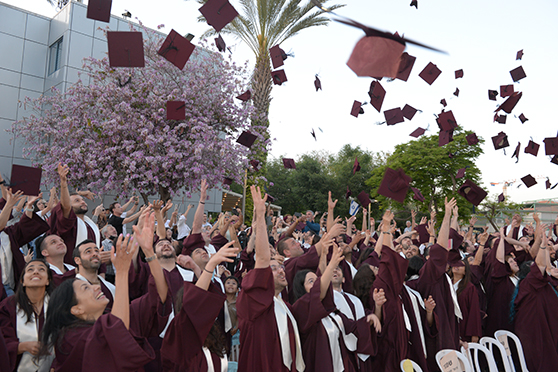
<point>26,179</point>
<point>176,49</point>
<point>220,44</point>
<point>125,49</point>
<point>99,10</point>
<point>356,166</point>
<point>277,55</point>
<point>516,152</point>
<point>176,110</point>
<point>317,83</point>
<point>357,109</point>
<point>218,13</point>
<point>246,96</point>
<point>313,134</point>
<point>377,94</point>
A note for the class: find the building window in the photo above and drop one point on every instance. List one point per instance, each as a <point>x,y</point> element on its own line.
<point>55,56</point>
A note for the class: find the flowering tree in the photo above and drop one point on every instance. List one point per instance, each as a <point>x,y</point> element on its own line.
<point>114,134</point>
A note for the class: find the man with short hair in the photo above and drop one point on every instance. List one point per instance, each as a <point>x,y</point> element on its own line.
<point>53,249</point>
<point>117,220</point>
<point>310,224</point>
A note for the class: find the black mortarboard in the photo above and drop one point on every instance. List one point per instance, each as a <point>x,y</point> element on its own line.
<point>277,55</point>
<point>348,193</point>
<point>414,3</point>
<point>501,198</point>
<point>394,116</point>
<point>516,151</point>
<point>313,134</point>
<point>220,43</point>
<point>227,181</point>
<point>458,74</point>
<point>472,193</point>
<point>445,137</point>
<point>289,163</point>
<point>364,199</point>
<point>356,166</point>
<point>125,49</point>
<point>500,118</point>
<point>460,173</point>
<point>417,194</point>
<point>547,183</point>
<point>418,132</point>
<point>245,96</point>
<point>395,184</point>
<point>500,141</point>
<point>532,148</point>
<point>409,111</point>
<point>176,49</point>
<point>522,118</point>
<point>443,102</point>
<point>317,83</point>
<point>355,110</point>
<point>430,73</point>
<point>472,139</point>
<point>551,145</point>
<point>519,55</point>
<point>99,10</point>
<point>446,120</point>
<point>405,66</point>
<point>510,103</point>
<point>555,161</point>
<point>492,94</point>
<point>456,93</point>
<point>270,199</point>
<point>246,139</point>
<point>506,90</point>
<point>518,73</point>
<point>26,179</point>
<point>176,110</point>
<point>278,77</point>
<point>529,180</point>
<point>377,94</point>
<point>254,163</point>
<point>218,13</point>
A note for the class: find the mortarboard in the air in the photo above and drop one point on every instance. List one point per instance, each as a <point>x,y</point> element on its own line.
<point>405,66</point>
<point>446,120</point>
<point>99,10</point>
<point>518,73</point>
<point>245,96</point>
<point>500,118</point>
<point>551,145</point>
<point>443,102</point>
<point>355,110</point>
<point>348,193</point>
<point>246,139</point>
<point>356,166</point>
<point>313,134</point>
<point>377,94</point>
<point>458,74</point>
<point>176,110</point>
<point>376,57</point>
<point>492,94</point>
<point>456,93</point>
<point>125,49</point>
<point>510,102</point>
<point>445,137</point>
<point>472,139</point>
<point>254,163</point>
<point>522,118</point>
<point>556,184</point>
<point>408,111</point>
<point>220,43</point>
<point>532,148</point>
<point>500,141</point>
<point>289,163</point>
<point>501,198</point>
<point>417,195</point>
<point>317,83</point>
<point>472,193</point>
<point>460,173</point>
<point>364,199</point>
<point>270,199</point>
<point>506,90</point>
<point>176,49</point>
<point>26,179</point>
<point>278,77</point>
<point>430,73</point>
<point>554,160</point>
<point>395,184</point>
<point>414,3</point>
<point>529,180</point>
<point>394,116</point>
<point>547,183</point>
<point>516,151</point>
<point>218,13</point>
<point>418,132</point>
<point>519,55</point>
<point>277,55</point>
<point>227,181</point>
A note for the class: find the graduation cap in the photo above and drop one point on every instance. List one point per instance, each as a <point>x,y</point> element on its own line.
<point>348,193</point>
<point>472,139</point>
<point>395,184</point>
<point>220,43</point>
<point>417,132</point>
<point>176,49</point>
<point>460,173</point>
<point>417,195</point>
<point>458,74</point>
<point>218,13</point>
<point>510,103</point>
<point>125,49</point>
<point>532,148</point>
<point>547,183</point>
<point>529,180</point>
<point>445,137</point>
<point>555,161</point>
<point>506,90</point>
<point>500,141</point>
<point>516,152</point>
<point>414,3</point>
<point>551,145</point>
<point>26,179</point>
<point>317,83</point>
<point>364,199</point>
<point>277,55</point>
<point>246,139</point>
<point>394,116</point>
<point>500,118</point>
<point>278,77</point>
<point>176,110</point>
<point>456,93</point>
<point>270,199</point>
<point>518,73</point>
<point>99,10</point>
<point>254,163</point>
<point>409,112</point>
<point>356,166</point>
<point>492,94</point>
<point>519,55</point>
<point>430,73</point>
<point>405,66</point>
<point>289,163</point>
<point>356,109</point>
<point>446,120</point>
<point>377,94</point>
<point>472,193</point>
<point>245,96</point>
<point>553,187</point>
<point>227,181</point>
<point>443,102</point>
<point>522,118</point>
<point>501,198</point>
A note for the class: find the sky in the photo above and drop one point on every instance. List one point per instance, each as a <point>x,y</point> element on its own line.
<point>481,37</point>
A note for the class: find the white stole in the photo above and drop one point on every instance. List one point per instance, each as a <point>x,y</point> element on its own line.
<point>57,270</point>
<point>281,314</point>
<point>210,366</point>
<point>82,231</point>
<point>6,261</point>
<point>333,324</point>
<point>353,269</point>
<point>416,299</point>
<point>343,306</point>
<point>109,285</point>
<point>456,308</point>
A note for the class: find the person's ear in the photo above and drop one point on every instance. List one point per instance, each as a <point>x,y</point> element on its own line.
<point>77,260</point>
<point>44,252</point>
<point>76,310</point>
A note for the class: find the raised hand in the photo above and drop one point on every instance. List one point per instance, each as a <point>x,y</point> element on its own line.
<point>373,320</point>
<point>86,194</point>
<point>63,172</point>
<point>167,206</point>
<point>429,304</point>
<point>13,199</point>
<point>473,221</point>
<point>336,230</point>
<point>330,203</point>
<point>450,205</point>
<point>157,205</point>
<point>423,220</point>
<point>123,252</point>
<point>226,254</point>
<point>259,202</point>
<point>379,297</point>
<point>144,234</point>
<point>386,220</point>
<point>203,191</point>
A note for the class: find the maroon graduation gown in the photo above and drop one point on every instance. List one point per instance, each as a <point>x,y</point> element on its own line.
<point>192,241</point>
<point>58,279</point>
<point>260,345</point>
<point>373,259</point>
<point>469,304</point>
<point>4,358</point>
<point>476,279</point>
<point>218,241</point>
<point>536,323</point>
<point>500,293</point>
<point>185,337</point>
<point>309,260</point>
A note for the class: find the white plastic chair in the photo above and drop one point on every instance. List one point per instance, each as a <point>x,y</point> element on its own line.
<point>518,346</point>
<point>465,365</point>
<point>473,352</point>
<point>495,346</point>
<point>416,367</point>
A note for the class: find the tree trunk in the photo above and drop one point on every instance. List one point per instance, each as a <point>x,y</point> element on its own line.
<point>164,193</point>
<point>145,198</point>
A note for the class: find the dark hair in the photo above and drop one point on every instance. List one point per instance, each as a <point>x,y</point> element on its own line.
<point>282,245</point>
<point>316,239</point>
<point>60,317</point>
<point>364,255</point>
<point>39,245</point>
<point>111,206</point>
<point>362,284</point>
<point>76,252</point>
<point>234,278</point>
<point>415,264</point>
<point>298,284</point>
<point>466,278</point>
<point>21,295</point>
<point>35,205</point>
<point>524,270</point>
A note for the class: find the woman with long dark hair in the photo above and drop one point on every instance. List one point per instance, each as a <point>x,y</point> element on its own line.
<point>22,317</point>
<point>470,327</point>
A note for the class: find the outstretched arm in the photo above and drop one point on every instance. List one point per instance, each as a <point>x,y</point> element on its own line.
<point>225,254</point>
<point>443,236</point>
<point>11,200</point>
<point>500,251</point>
<point>325,280</point>
<point>198,216</point>
<point>263,255</point>
<point>121,257</point>
<point>330,211</point>
<point>65,202</point>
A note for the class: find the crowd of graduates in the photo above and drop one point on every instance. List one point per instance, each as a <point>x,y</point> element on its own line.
<point>285,294</point>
